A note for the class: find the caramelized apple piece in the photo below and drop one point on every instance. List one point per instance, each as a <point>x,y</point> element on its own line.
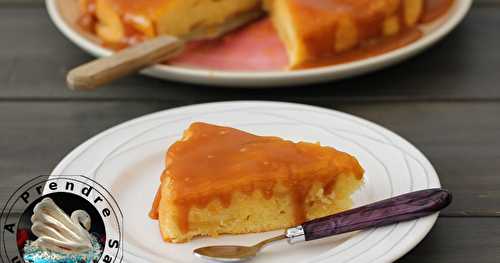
<point>391,26</point>
<point>346,36</point>
<point>109,28</point>
<point>412,11</point>
<point>140,23</point>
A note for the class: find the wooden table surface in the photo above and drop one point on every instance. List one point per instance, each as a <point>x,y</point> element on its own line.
<point>445,101</point>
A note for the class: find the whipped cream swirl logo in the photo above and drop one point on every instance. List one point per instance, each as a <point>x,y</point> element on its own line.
<point>61,219</point>
<point>58,232</point>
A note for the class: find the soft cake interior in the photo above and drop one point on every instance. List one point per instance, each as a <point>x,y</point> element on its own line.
<point>254,213</point>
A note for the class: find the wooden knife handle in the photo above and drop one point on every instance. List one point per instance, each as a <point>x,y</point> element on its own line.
<point>101,71</point>
<point>389,211</point>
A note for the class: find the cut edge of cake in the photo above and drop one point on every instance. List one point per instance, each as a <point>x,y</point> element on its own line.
<point>253,213</point>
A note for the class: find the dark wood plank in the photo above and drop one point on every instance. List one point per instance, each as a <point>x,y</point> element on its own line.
<point>22,3</point>
<point>35,136</point>
<point>462,67</point>
<point>460,139</point>
<point>459,240</point>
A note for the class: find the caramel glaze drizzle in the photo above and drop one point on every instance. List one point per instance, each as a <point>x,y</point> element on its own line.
<point>213,162</point>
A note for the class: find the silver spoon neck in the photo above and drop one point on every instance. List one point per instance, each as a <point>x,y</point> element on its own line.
<point>295,234</point>
<point>262,244</point>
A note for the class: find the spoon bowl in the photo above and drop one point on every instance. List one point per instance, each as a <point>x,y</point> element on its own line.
<point>226,253</point>
<point>233,253</point>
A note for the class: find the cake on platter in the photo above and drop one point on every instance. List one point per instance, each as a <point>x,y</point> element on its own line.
<point>314,32</point>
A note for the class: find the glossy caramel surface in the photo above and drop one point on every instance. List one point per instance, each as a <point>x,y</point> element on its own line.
<point>212,162</point>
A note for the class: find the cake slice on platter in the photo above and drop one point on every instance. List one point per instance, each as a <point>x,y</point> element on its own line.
<point>220,180</point>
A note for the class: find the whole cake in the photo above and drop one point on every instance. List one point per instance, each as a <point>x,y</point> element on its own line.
<point>220,180</point>
<point>313,31</point>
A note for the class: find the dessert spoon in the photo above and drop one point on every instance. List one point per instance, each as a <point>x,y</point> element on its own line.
<point>386,212</point>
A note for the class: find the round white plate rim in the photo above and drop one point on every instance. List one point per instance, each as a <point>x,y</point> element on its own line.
<point>416,237</point>
<point>272,78</point>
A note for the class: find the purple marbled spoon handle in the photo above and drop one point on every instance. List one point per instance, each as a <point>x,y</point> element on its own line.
<point>389,211</point>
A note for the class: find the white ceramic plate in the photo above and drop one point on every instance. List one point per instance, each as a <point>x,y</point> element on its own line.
<point>433,33</point>
<point>128,160</point>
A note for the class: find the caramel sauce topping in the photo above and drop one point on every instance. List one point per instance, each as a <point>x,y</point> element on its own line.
<point>212,162</point>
